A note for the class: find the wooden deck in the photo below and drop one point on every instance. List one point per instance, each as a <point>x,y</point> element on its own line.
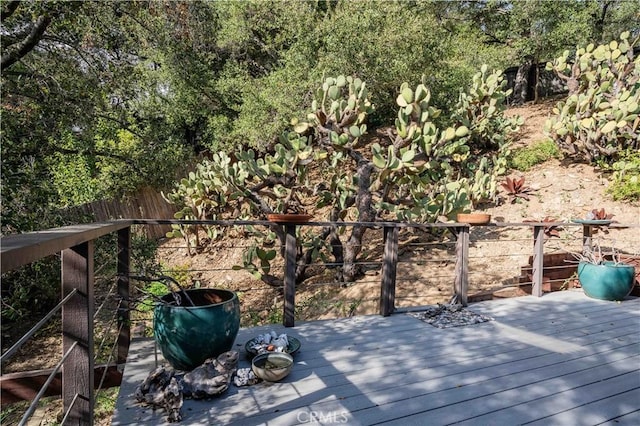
<point>562,359</point>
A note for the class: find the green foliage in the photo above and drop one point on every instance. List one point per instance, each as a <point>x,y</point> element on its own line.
<point>105,403</point>
<point>30,290</point>
<point>625,182</point>
<point>600,117</point>
<point>525,158</point>
<point>155,288</point>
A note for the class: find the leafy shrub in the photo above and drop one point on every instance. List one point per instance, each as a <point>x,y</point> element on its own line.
<point>525,158</point>
<point>155,288</point>
<point>625,183</point>
<point>599,118</point>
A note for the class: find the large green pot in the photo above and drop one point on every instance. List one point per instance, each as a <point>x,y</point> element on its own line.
<point>607,281</point>
<point>188,335</point>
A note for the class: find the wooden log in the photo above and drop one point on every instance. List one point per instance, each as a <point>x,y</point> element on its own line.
<point>389,268</point>
<point>290,276</point>
<point>77,326</point>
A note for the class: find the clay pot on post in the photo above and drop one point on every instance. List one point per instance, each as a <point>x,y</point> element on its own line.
<point>473,218</point>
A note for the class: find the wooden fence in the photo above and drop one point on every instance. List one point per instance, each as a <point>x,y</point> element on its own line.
<point>147,203</point>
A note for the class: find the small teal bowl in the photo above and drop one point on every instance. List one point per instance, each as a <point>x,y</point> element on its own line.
<point>607,281</point>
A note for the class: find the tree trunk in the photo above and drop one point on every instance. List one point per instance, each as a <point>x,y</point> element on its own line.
<point>521,84</point>
<point>366,213</point>
<point>536,84</point>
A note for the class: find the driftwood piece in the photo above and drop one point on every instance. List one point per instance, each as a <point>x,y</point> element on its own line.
<point>212,378</point>
<point>166,389</point>
<point>162,389</point>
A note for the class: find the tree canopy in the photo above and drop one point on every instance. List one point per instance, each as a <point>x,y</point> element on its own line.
<point>101,98</point>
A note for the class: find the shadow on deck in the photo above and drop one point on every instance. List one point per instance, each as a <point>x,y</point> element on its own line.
<point>563,359</point>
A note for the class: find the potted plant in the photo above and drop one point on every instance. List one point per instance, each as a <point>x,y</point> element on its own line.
<point>605,279</point>
<point>192,325</point>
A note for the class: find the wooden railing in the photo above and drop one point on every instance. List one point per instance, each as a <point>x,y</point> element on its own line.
<point>77,371</point>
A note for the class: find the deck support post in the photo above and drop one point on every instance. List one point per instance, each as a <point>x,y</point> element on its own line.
<point>461,282</point>
<point>77,326</point>
<point>290,276</point>
<point>538,261</point>
<point>587,234</point>
<point>389,267</point>
<point>124,320</point>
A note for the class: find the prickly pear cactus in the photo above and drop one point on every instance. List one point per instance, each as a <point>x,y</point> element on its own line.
<point>435,168</point>
<point>600,117</point>
<point>424,171</point>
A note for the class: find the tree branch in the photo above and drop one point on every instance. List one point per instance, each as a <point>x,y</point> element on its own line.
<point>18,51</point>
<point>9,9</point>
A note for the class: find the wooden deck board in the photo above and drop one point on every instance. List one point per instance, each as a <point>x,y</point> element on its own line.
<point>562,356</point>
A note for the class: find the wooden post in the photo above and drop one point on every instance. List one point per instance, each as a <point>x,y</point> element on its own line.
<point>586,239</point>
<point>291,248</point>
<point>461,282</point>
<point>389,268</point>
<point>537,268</point>
<point>77,325</point>
<point>124,292</point>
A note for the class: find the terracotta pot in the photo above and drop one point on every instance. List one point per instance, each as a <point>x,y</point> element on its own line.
<point>288,218</point>
<point>473,218</point>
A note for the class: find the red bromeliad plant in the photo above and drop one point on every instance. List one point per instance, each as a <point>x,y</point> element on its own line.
<point>550,230</point>
<point>599,214</point>
<point>517,189</point>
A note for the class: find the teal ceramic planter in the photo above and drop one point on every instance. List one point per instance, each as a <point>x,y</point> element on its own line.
<point>188,335</point>
<point>607,281</point>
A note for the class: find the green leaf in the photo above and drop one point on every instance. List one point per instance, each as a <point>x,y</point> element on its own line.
<point>462,131</point>
<point>610,126</point>
<point>449,134</point>
<point>334,92</point>
<point>379,161</point>
<point>301,127</point>
<point>407,95</point>
<point>408,156</point>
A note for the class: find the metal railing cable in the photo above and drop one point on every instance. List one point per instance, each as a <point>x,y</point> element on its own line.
<point>108,297</point>
<point>71,404</point>
<point>16,346</point>
<point>106,335</point>
<point>34,404</point>
<point>109,359</point>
